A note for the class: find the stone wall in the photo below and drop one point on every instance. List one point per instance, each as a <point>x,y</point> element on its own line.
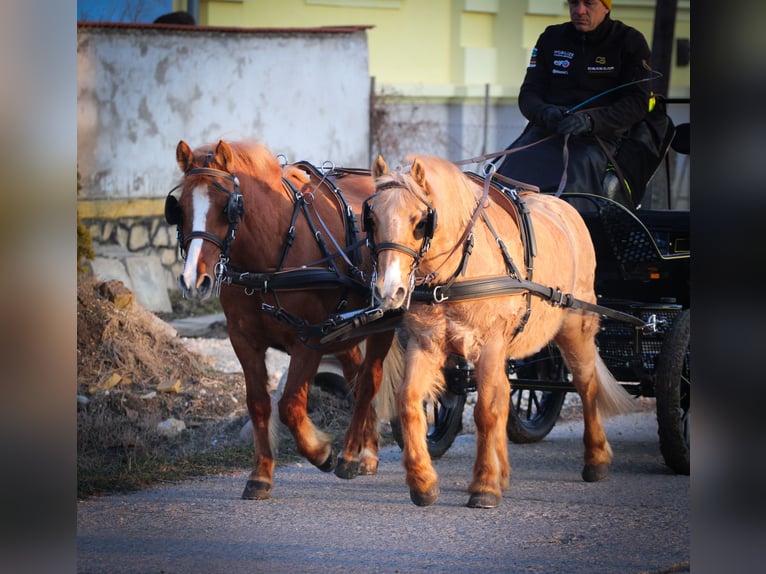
<point>142,252</point>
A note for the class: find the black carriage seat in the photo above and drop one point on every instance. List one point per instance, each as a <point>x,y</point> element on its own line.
<point>681,142</point>
<point>640,242</point>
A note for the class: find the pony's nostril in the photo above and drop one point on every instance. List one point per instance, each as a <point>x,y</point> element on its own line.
<point>398,297</point>
<point>204,286</point>
<point>183,286</point>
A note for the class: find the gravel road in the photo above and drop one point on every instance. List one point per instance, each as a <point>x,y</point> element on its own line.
<point>636,520</point>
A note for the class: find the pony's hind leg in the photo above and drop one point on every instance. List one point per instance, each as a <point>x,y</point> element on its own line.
<point>361,442</point>
<point>491,471</point>
<point>313,444</point>
<point>576,341</point>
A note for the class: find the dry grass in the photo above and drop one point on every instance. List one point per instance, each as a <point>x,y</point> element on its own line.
<point>118,445</point>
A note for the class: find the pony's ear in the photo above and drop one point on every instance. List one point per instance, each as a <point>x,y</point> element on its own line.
<point>223,154</point>
<point>418,173</point>
<point>184,156</point>
<point>379,167</point>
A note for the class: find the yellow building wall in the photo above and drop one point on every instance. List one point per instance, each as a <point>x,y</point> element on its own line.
<point>410,41</point>
<point>441,48</point>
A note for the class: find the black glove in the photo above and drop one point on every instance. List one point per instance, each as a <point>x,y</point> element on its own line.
<point>550,117</point>
<point>576,125</point>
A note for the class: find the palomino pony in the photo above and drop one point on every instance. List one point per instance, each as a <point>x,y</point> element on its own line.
<point>474,251</point>
<point>280,244</point>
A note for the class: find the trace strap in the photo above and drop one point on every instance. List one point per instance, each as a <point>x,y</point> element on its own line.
<point>506,285</point>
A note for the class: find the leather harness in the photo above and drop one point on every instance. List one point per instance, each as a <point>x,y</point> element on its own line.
<point>324,274</point>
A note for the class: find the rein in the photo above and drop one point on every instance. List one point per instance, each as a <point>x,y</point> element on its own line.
<point>466,239</point>
<point>564,152</point>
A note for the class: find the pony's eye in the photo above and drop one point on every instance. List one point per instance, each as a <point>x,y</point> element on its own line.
<point>420,229</point>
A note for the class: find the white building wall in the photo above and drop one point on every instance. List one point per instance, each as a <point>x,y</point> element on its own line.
<point>142,89</point>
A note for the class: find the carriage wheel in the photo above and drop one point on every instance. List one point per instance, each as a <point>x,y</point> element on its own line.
<point>333,384</point>
<point>533,412</point>
<point>445,420</point>
<point>672,387</point>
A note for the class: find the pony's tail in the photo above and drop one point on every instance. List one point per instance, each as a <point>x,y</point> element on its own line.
<point>393,375</point>
<point>612,398</point>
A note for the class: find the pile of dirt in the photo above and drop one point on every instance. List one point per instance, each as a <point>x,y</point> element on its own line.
<point>136,377</point>
<point>125,350</point>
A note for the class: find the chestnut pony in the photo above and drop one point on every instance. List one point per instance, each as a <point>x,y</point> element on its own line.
<point>279,243</point>
<point>420,222</point>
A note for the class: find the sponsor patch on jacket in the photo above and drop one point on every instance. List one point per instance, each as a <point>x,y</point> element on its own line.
<point>562,59</point>
<point>533,58</point>
<point>600,66</point>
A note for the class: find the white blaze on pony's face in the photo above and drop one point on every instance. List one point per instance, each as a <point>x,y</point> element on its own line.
<point>200,217</point>
<point>194,279</point>
<point>393,272</point>
<point>397,218</point>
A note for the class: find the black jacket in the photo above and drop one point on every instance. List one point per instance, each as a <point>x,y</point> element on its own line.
<point>568,67</point>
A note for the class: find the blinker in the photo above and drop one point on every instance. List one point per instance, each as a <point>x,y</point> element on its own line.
<point>172,210</point>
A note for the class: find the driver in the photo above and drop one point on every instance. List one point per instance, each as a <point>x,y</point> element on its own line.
<point>586,79</point>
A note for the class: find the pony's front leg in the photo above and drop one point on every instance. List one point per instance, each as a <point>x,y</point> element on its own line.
<point>361,443</point>
<point>314,445</point>
<point>491,470</point>
<point>423,378</point>
<point>260,481</point>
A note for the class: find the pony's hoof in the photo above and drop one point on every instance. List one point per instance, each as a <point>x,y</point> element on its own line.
<point>594,472</point>
<point>256,490</point>
<point>329,464</point>
<point>347,469</point>
<point>425,498</point>
<point>369,468</point>
<point>483,500</point>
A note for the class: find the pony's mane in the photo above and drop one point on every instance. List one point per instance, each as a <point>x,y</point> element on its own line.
<point>449,186</point>
<point>250,157</point>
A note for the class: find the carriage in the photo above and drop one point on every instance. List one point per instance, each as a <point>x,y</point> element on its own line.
<point>301,280</point>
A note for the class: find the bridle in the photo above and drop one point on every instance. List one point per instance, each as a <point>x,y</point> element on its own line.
<point>234,210</point>
<point>429,226</point>
<point>466,240</point>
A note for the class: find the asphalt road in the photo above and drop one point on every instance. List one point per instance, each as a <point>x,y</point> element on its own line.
<point>636,520</point>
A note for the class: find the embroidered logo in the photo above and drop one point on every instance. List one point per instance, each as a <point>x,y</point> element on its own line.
<point>600,66</point>
<point>561,63</point>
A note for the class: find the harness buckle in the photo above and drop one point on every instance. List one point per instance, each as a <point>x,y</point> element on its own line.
<point>220,272</point>
<point>437,294</point>
<point>557,297</point>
